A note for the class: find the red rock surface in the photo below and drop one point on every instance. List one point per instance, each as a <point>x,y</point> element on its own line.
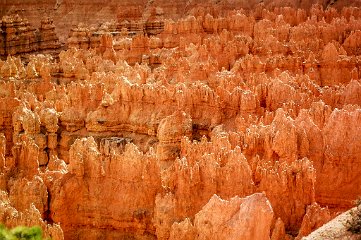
<point>17,36</point>
<point>181,120</point>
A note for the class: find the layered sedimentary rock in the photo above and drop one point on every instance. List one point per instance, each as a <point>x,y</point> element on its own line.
<point>225,124</point>
<point>131,176</point>
<point>19,37</point>
<point>144,14</point>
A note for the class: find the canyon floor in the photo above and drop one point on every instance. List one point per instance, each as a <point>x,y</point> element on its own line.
<point>180,120</point>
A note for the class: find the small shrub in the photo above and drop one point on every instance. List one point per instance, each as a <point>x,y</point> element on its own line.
<point>21,233</point>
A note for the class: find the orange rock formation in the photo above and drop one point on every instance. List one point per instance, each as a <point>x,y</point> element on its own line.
<point>184,121</point>
<point>17,36</point>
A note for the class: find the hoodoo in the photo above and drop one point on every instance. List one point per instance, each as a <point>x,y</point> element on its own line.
<point>180,119</point>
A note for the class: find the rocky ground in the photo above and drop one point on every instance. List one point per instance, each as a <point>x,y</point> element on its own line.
<point>218,121</point>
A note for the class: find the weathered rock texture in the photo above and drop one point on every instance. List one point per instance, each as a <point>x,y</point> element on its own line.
<point>145,15</point>
<point>336,228</point>
<point>184,121</point>
<point>17,36</point>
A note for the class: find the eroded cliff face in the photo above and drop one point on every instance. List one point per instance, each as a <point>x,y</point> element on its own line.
<point>228,124</point>
<point>19,37</point>
<point>67,13</point>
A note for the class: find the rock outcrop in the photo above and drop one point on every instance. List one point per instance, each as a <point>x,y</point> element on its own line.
<point>234,219</point>
<point>227,123</point>
<point>19,37</point>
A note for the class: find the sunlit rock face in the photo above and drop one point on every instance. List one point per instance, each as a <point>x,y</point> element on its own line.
<point>179,120</point>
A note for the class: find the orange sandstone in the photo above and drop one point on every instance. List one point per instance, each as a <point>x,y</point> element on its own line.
<point>179,120</point>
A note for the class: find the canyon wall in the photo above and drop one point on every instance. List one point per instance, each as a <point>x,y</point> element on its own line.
<point>67,13</point>
<point>17,36</point>
<point>224,124</point>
